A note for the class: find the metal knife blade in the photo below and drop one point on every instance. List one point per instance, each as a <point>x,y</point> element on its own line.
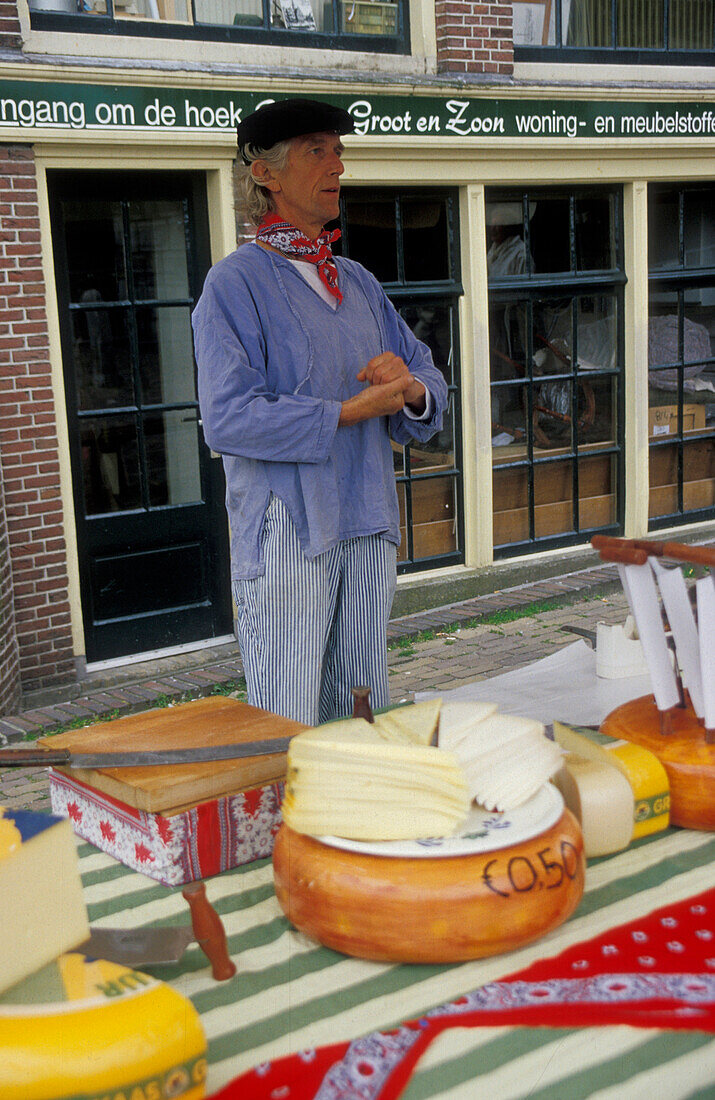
<point>63,758</point>
<point>138,947</point>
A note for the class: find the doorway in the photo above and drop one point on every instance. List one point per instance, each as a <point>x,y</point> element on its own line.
<point>131,251</point>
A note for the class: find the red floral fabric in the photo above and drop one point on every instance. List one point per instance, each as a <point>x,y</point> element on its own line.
<point>290,241</point>
<point>657,971</point>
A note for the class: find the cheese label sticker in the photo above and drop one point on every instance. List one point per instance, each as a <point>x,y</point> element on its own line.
<point>645,808</point>
<point>170,1084</point>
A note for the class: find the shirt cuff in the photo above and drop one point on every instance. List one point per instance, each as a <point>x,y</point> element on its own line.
<point>428,408</point>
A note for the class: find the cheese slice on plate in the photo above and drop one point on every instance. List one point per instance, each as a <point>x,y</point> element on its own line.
<point>415,725</point>
<point>505,758</point>
<point>345,779</point>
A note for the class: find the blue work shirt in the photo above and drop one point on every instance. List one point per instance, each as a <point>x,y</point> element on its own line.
<point>275,362</point>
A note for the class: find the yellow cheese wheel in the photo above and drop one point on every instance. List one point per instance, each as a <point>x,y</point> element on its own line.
<point>93,1029</point>
<point>642,768</point>
<point>430,910</point>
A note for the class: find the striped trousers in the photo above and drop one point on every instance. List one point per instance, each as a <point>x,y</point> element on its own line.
<point>309,631</point>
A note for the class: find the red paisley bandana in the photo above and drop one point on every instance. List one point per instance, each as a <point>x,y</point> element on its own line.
<point>290,241</point>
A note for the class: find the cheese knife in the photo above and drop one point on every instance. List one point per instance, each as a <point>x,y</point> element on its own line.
<point>63,758</point>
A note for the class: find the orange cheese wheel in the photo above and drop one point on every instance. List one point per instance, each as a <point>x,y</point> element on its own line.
<point>430,910</point>
<point>688,760</point>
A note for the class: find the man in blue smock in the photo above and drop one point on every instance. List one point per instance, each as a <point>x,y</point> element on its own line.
<point>306,372</point>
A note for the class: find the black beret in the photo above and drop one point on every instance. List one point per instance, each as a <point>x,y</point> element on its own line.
<point>289,118</point>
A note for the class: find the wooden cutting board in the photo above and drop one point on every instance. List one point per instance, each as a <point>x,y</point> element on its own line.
<point>215,721</point>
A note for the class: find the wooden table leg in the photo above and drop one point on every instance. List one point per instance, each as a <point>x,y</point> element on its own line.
<point>209,931</point>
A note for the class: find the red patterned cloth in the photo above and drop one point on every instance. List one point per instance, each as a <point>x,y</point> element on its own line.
<point>193,844</point>
<point>291,242</point>
<point>657,971</point>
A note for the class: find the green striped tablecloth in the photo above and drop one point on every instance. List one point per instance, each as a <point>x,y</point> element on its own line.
<point>290,994</point>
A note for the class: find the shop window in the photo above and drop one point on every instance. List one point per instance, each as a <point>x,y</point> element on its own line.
<point>408,240</point>
<point>555,320</point>
<point>681,353</point>
<point>641,31</point>
<point>374,25</point>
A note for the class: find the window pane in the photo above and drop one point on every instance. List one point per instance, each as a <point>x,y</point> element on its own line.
<point>425,240</point>
<point>639,25</point>
<point>698,477</point>
<point>293,15</point>
<point>172,10</point>
<point>680,339</point>
<point>110,465</point>
<point>95,251</point>
<point>509,417</point>
<point>550,235</point>
<point>437,451</point>
<point>172,457</point>
<point>553,413</point>
<point>372,235</point>
<point>236,13</point>
<point>597,333</point>
<point>595,227</point>
<point>598,411</point>
<point>691,24</point>
<point>432,324</point>
<point>699,474</point>
<point>510,491</point>
<point>597,491</point>
<point>587,23</point>
<point>398,458</point>
<point>510,338</point>
<point>699,226</point>
<point>368,17</point>
<point>166,360</point>
<point>158,250</point>
<point>434,517</point>
<point>663,229</point>
<point>402,550</point>
<point>101,351</point>
<point>534,23</point>
<point>507,255</point>
<point>553,499</point>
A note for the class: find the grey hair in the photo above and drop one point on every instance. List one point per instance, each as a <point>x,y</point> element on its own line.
<point>255,199</point>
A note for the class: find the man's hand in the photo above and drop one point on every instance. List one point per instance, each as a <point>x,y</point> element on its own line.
<point>383,399</point>
<point>387,368</point>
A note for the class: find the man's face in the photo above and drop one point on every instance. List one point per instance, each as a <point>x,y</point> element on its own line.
<point>307,191</point>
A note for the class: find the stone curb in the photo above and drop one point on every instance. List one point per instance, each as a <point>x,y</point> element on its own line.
<point>560,591</point>
<point>200,682</point>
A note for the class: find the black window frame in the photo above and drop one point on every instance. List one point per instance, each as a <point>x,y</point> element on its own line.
<point>443,292</point>
<point>678,279</point>
<point>267,35</point>
<point>575,285</point>
<point>559,51</point>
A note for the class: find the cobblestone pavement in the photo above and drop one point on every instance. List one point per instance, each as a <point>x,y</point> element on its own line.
<point>437,659</point>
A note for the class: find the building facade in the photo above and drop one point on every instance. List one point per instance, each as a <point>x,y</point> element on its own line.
<point>532,182</point>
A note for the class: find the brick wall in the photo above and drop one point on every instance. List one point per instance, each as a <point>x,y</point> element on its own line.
<point>10,691</point>
<point>28,436</point>
<point>474,37</point>
<point>9,24</point>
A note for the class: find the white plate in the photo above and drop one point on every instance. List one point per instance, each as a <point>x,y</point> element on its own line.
<point>483,831</point>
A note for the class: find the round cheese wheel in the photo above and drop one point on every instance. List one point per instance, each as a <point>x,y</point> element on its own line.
<point>430,910</point>
<point>688,760</point>
<point>89,1028</point>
